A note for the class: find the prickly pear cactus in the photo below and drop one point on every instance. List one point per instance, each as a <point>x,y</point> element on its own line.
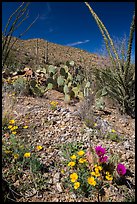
<point>67,98</point>
<point>66,89</point>
<point>52,70</point>
<point>60,81</point>
<point>63,72</point>
<point>35,88</point>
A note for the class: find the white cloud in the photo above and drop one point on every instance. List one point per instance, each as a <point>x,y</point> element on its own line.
<point>77,43</point>
<point>45,15</point>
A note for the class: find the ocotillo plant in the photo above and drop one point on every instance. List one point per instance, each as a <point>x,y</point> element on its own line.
<point>119,79</point>
<point>14,22</point>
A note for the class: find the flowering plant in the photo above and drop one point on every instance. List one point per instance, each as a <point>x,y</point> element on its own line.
<point>89,171</point>
<point>53,105</point>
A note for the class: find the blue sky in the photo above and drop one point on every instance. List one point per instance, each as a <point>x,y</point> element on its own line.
<point>70,23</point>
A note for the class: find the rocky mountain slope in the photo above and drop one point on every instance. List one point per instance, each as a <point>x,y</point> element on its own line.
<point>38,52</point>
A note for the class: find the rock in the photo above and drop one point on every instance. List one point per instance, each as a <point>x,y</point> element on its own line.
<point>129,155</point>
<point>17,183</point>
<point>56,177</point>
<point>59,187</point>
<point>126,145</point>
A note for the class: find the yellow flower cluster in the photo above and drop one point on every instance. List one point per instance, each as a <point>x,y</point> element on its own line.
<point>8,151</point>
<point>82,160</point>
<point>96,171</point>
<point>108,176</point>
<point>12,128</point>
<point>39,147</point>
<point>71,164</point>
<point>27,154</point>
<point>73,156</point>
<point>91,181</point>
<point>76,185</point>
<point>11,122</point>
<point>81,153</point>
<point>25,127</point>
<point>54,103</point>
<point>16,156</point>
<point>73,177</point>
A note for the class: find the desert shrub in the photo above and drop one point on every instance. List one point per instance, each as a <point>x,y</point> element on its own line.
<point>86,112</point>
<point>21,86</point>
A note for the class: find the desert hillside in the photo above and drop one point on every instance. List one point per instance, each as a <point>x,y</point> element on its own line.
<point>35,52</point>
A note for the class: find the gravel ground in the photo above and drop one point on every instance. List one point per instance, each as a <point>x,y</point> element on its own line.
<point>53,129</point>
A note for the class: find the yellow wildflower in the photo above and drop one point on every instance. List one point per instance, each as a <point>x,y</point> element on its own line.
<point>54,103</point>
<point>27,154</point>
<point>95,124</point>
<point>113,131</point>
<point>14,133</point>
<point>14,128</point>
<point>81,152</point>
<point>93,173</point>
<point>73,156</point>
<point>97,168</point>
<point>11,122</point>
<point>107,173</point>
<point>39,147</point>
<point>108,176</point>
<point>96,174</point>
<point>8,151</point>
<point>25,127</point>
<point>91,181</point>
<point>71,164</point>
<point>10,126</point>
<point>73,177</point>
<point>82,160</point>
<point>16,156</point>
<point>76,185</point>
<point>62,171</point>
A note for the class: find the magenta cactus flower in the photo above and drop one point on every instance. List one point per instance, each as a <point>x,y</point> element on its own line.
<point>100,151</point>
<point>121,169</point>
<point>103,159</point>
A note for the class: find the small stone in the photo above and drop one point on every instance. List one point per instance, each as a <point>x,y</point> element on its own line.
<point>45,175</point>
<point>50,181</point>
<point>59,187</point>
<point>129,155</point>
<point>123,158</point>
<point>56,177</point>
<point>17,183</point>
<point>126,145</point>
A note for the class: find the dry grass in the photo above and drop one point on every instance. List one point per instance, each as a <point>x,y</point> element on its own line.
<point>8,108</point>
